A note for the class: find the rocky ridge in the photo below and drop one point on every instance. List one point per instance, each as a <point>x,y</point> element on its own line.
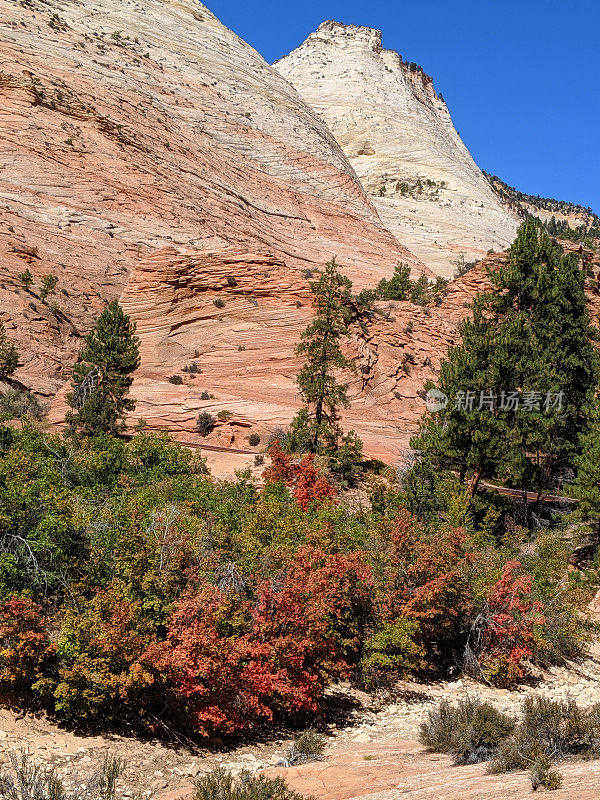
<point>399,137</point>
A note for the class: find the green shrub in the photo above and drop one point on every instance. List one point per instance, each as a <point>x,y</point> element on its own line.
<point>219,302</point>
<point>470,732</point>
<point>224,415</point>
<point>176,379</point>
<point>205,423</point>
<point>16,404</point>
<point>221,785</point>
<point>554,728</point>
<point>192,369</point>
<point>543,775</point>
<point>254,440</point>
<point>390,654</point>
<point>9,356</point>
<point>309,746</point>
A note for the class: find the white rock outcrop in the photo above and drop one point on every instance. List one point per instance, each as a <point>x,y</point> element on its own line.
<point>399,137</point>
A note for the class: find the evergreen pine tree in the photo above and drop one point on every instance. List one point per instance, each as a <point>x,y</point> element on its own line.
<point>587,485</point>
<point>9,357</point>
<point>102,378</point>
<point>317,424</point>
<point>26,279</point>
<point>531,336</point>
<point>48,286</point>
<point>398,287</point>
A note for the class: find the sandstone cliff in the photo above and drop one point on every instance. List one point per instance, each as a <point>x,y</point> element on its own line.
<point>125,127</point>
<point>227,323</point>
<point>398,135</point>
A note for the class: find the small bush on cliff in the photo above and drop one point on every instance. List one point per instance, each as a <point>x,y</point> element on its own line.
<point>17,404</point>
<point>205,423</point>
<point>48,287</point>
<point>26,279</point>
<point>9,356</point>
<point>254,440</point>
<point>177,380</point>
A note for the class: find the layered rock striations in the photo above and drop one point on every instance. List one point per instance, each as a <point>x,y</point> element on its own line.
<point>126,127</point>
<point>218,332</point>
<point>399,137</point>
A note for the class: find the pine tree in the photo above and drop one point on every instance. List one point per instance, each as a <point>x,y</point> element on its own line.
<point>317,424</point>
<point>398,287</point>
<point>26,279</point>
<point>102,378</point>
<point>9,356</point>
<point>48,286</point>
<point>531,336</point>
<point>587,485</point>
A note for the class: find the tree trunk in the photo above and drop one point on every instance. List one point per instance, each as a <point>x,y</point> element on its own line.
<point>474,482</point>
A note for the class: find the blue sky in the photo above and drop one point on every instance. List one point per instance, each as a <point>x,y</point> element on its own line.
<point>521,79</point>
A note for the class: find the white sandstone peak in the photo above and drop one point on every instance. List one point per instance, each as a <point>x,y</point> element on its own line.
<point>399,136</point>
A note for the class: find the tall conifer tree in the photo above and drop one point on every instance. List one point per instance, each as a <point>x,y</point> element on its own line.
<point>103,376</point>
<point>319,386</point>
<point>530,336</point>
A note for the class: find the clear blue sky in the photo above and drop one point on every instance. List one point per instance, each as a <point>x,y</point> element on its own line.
<point>521,79</point>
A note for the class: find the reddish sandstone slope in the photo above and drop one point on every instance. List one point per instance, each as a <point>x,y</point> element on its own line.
<point>125,127</point>
<point>238,317</point>
<point>402,770</point>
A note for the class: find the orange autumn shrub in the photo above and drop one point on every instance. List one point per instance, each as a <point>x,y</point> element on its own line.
<point>26,652</point>
<point>101,676</point>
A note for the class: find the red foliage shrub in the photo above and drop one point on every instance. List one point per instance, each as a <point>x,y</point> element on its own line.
<point>282,467</point>
<point>26,652</point>
<point>307,485</point>
<point>424,578</point>
<point>233,666</point>
<point>509,636</point>
<point>315,617</point>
